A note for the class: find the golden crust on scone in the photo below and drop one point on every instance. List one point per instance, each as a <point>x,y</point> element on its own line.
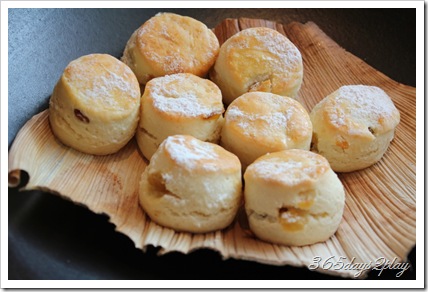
<point>191,185</point>
<point>192,155</point>
<point>353,126</point>
<point>360,110</point>
<point>259,122</point>
<point>184,96</point>
<point>258,59</point>
<point>169,43</point>
<point>295,167</point>
<point>99,83</point>
<point>293,197</point>
<point>179,104</point>
<point>94,107</point>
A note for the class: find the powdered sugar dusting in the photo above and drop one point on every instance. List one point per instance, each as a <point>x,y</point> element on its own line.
<point>289,169</point>
<point>274,122</point>
<point>176,44</point>
<point>102,83</point>
<point>279,50</point>
<point>172,63</point>
<point>192,153</point>
<point>170,95</point>
<point>154,31</point>
<point>270,117</point>
<point>356,105</point>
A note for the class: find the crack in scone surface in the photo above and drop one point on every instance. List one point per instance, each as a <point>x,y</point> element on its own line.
<point>157,181</point>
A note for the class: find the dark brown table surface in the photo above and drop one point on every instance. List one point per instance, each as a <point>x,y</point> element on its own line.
<point>50,238</point>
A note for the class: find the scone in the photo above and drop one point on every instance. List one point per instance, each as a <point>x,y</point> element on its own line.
<point>179,104</point>
<point>260,122</point>
<point>354,126</point>
<point>293,197</point>
<point>169,43</point>
<point>258,59</point>
<point>94,107</point>
<point>191,185</point>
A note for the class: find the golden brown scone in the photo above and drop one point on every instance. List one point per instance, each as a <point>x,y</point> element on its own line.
<point>293,197</point>
<point>191,185</point>
<point>354,126</point>
<point>258,59</point>
<point>179,104</point>
<point>94,107</point>
<point>169,43</point>
<point>259,122</point>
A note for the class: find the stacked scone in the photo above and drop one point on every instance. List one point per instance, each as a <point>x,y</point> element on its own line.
<point>180,103</point>
<point>212,119</point>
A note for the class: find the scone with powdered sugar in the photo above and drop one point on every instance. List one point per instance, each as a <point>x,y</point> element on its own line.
<point>169,43</point>
<point>191,185</point>
<point>258,59</point>
<point>293,197</point>
<point>94,107</point>
<point>257,123</point>
<point>354,126</point>
<point>179,104</point>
